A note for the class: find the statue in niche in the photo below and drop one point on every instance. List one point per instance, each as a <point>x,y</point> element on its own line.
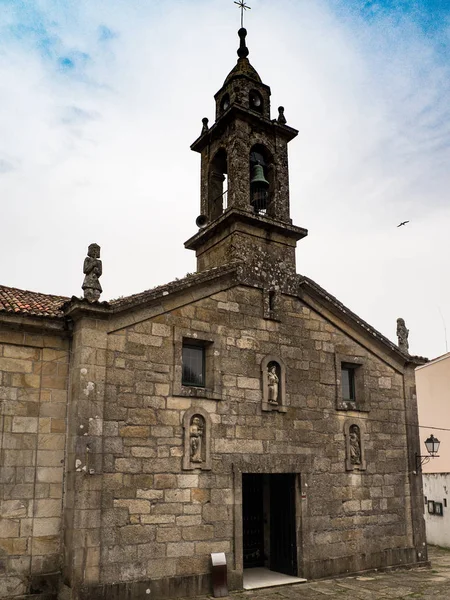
<point>92,269</point>
<point>272,383</point>
<point>196,438</point>
<point>402,335</point>
<point>355,445</point>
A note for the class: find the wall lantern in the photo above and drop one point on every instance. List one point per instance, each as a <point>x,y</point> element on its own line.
<point>432,445</point>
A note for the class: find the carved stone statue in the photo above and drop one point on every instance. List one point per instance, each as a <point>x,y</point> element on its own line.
<point>355,445</point>
<point>272,383</point>
<point>281,118</point>
<point>402,334</point>
<point>196,437</point>
<point>92,269</point>
<point>205,127</point>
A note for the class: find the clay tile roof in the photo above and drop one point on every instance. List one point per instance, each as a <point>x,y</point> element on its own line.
<point>23,302</point>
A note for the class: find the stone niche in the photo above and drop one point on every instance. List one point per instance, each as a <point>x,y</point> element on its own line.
<point>354,446</point>
<point>197,439</point>
<point>273,374</point>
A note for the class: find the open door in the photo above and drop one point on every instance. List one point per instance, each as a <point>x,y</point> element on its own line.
<point>252,520</point>
<point>283,541</point>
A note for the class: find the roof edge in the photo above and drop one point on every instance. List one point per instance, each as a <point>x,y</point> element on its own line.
<point>122,304</point>
<point>354,318</point>
<point>434,360</point>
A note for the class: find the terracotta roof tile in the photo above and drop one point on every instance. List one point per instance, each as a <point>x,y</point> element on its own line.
<point>13,300</point>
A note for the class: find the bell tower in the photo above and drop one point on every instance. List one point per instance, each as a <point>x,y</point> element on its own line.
<point>245,213</point>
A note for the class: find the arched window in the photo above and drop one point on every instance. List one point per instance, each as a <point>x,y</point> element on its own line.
<point>261,180</point>
<point>225,103</point>
<point>217,185</point>
<point>256,101</point>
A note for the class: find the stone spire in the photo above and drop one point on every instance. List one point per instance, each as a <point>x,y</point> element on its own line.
<point>402,335</point>
<point>92,270</point>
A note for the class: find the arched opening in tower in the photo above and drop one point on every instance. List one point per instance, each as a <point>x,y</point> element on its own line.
<point>218,185</point>
<point>261,180</point>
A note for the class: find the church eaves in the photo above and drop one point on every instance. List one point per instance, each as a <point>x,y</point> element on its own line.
<point>24,302</point>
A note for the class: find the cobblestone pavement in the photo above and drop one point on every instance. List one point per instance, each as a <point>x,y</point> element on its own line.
<point>421,583</point>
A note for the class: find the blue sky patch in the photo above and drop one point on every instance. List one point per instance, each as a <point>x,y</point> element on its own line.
<point>73,60</point>
<point>105,34</point>
<point>66,64</point>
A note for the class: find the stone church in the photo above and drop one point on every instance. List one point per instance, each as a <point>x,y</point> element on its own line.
<point>241,410</point>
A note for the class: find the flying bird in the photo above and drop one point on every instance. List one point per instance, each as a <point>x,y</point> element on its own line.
<point>403,223</point>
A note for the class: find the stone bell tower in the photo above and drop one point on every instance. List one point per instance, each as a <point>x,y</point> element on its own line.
<point>245,212</point>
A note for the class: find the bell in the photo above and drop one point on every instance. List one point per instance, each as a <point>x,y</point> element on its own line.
<point>259,189</point>
<point>258,178</point>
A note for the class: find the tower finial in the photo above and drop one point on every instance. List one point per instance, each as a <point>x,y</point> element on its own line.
<point>243,50</point>
<point>243,8</point>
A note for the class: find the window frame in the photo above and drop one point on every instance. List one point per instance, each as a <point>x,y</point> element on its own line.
<point>211,344</point>
<point>357,365</point>
<point>438,509</point>
<point>199,347</point>
<point>351,371</point>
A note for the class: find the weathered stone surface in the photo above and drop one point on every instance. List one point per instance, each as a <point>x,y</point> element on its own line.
<point>103,439</point>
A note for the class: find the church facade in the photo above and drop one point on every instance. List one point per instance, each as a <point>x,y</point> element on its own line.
<point>241,410</point>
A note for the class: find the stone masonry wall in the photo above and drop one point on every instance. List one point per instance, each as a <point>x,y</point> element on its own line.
<point>160,521</point>
<point>33,400</point>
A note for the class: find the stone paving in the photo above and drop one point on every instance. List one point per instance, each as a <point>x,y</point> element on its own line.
<point>421,583</point>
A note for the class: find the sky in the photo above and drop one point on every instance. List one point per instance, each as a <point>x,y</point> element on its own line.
<point>101,99</point>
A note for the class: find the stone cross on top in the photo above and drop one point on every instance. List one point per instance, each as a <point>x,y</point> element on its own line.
<point>243,8</point>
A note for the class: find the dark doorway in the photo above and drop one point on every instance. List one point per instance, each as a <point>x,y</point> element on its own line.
<point>253,520</point>
<point>283,542</point>
<point>268,522</point>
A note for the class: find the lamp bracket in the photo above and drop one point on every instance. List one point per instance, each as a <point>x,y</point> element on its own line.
<point>423,460</point>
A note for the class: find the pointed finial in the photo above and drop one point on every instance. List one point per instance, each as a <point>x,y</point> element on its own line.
<point>281,118</point>
<point>205,127</point>
<point>243,50</point>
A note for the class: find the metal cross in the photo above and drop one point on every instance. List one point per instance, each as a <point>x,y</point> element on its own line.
<point>243,8</point>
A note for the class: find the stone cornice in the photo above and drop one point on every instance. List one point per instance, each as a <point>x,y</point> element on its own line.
<point>236,111</point>
<point>235,214</point>
<point>77,308</point>
<point>53,325</point>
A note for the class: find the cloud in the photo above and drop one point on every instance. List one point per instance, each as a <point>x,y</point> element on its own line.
<point>6,166</point>
<point>100,100</point>
<point>74,115</point>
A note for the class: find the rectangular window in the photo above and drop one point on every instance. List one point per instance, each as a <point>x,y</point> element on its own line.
<point>351,393</point>
<point>193,365</point>
<point>348,383</point>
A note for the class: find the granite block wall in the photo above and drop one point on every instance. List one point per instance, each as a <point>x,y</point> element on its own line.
<point>161,521</point>
<point>33,401</point>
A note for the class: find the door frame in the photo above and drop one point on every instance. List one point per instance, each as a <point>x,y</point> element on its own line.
<point>269,465</point>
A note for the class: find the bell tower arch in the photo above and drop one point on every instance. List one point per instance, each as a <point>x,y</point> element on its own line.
<point>245,206</point>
